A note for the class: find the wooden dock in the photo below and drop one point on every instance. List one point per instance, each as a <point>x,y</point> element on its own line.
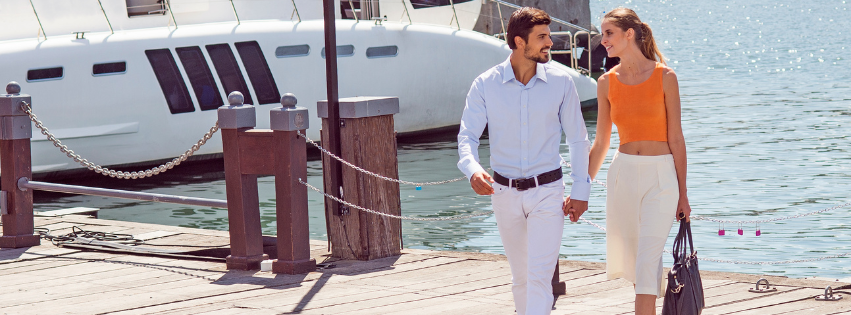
<point>50,280</point>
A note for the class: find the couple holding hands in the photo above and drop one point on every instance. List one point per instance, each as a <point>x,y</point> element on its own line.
<point>526,104</point>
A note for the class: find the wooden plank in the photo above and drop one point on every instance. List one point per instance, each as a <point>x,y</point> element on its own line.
<point>806,306</point>
<point>763,301</point>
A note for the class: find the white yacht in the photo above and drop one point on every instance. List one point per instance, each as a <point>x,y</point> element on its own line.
<point>136,82</point>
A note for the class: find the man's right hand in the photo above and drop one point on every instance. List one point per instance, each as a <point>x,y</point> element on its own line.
<point>481,183</point>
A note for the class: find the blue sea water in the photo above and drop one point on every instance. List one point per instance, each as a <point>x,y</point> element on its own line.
<point>766,96</point>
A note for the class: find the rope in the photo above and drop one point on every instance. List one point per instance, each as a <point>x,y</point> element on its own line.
<point>393,215</point>
<point>113,173</point>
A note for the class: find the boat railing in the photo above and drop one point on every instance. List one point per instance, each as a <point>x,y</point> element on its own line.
<point>571,38</point>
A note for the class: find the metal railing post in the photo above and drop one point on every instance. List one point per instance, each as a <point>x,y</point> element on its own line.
<point>501,19</point>
<point>355,14</point>
<point>106,17</point>
<point>454,15</point>
<point>234,13</point>
<point>168,5</point>
<point>246,240</point>
<point>290,152</point>
<point>15,163</point>
<point>410,21</point>
<point>40,27</point>
<point>295,11</point>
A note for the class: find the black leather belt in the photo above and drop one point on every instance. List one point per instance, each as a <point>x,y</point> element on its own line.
<point>525,183</point>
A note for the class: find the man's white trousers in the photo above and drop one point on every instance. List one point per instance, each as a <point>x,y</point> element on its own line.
<point>531,223</point>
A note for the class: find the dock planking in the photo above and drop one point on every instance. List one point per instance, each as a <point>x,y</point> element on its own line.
<point>47,279</point>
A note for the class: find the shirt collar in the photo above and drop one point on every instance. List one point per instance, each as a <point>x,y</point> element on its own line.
<point>508,72</point>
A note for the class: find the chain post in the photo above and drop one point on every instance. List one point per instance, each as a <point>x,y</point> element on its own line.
<point>236,121</point>
<point>15,163</point>
<point>290,154</point>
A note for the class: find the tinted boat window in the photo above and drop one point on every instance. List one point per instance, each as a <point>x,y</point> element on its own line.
<point>422,4</point>
<point>109,68</point>
<point>45,74</point>
<point>171,82</point>
<point>292,51</point>
<point>342,51</point>
<point>200,76</point>
<point>383,51</point>
<point>258,72</point>
<point>228,70</point>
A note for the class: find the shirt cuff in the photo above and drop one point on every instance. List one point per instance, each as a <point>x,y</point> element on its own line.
<point>472,169</point>
<point>580,190</point>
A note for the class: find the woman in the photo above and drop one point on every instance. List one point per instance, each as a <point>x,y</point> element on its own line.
<point>647,178</point>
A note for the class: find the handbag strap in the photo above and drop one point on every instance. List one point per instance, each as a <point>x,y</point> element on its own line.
<point>679,252</point>
<point>690,238</point>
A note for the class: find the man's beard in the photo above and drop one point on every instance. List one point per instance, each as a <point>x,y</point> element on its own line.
<point>535,57</point>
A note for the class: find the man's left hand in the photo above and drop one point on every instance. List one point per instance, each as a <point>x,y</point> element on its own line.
<point>574,208</point>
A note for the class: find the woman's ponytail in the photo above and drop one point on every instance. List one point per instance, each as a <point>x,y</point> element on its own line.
<point>648,44</point>
<point>626,19</point>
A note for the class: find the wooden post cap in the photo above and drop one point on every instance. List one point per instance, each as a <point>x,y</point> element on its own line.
<point>362,106</point>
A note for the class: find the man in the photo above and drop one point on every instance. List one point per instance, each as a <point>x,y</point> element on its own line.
<point>526,104</point>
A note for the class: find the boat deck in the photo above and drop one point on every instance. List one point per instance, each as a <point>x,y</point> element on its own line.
<point>50,280</point>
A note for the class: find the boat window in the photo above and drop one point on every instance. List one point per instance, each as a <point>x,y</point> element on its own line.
<point>342,51</point>
<point>292,51</point>
<point>200,76</point>
<point>44,74</point>
<point>109,68</point>
<point>258,72</point>
<point>228,70</point>
<point>145,7</point>
<point>422,4</point>
<point>382,51</point>
<point>171,82</point>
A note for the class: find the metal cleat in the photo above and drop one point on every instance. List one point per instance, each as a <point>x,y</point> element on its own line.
<point>828,295</point>
<point>767,289</point>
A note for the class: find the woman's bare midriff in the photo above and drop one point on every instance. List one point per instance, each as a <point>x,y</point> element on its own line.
<point>645,148</point>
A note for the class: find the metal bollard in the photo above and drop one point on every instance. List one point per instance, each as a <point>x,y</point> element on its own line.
<point>15,163</point>
<point>246,240</point>
<point>293,244</point>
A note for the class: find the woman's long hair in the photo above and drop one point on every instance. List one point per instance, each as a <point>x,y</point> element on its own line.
<point>627,19</point>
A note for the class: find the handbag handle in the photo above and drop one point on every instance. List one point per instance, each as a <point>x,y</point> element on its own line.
<point>680,250</point>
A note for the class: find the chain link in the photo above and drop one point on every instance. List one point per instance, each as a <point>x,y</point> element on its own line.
<point>700,218</point>
<point>742,262</point>
<point>462,217</point>
<point>113,173</point>
<point>404,182</point>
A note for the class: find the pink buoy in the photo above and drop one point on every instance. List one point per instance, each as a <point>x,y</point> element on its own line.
<point>741,232</point>
<point>721,231</point>
<point>758,233</point>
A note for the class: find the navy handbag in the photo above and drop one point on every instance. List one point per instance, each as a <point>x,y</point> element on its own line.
<point>684,294</point>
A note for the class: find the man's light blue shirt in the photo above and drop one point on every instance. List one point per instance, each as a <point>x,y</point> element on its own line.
<point>525,123</point>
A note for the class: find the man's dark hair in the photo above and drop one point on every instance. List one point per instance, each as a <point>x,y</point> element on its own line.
<point>521,23</point>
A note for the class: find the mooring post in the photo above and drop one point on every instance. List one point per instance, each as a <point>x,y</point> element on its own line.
<point>368,140</point>
<point>246,240</point>
<point>15,162</point>
<point>291,196</point>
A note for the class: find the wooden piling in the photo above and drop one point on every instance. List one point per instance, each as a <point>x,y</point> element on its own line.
<point>368,140</point>
<point>15,163</point>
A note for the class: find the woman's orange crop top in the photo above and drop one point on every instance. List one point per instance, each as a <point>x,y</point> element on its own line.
<point>639,110</point>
